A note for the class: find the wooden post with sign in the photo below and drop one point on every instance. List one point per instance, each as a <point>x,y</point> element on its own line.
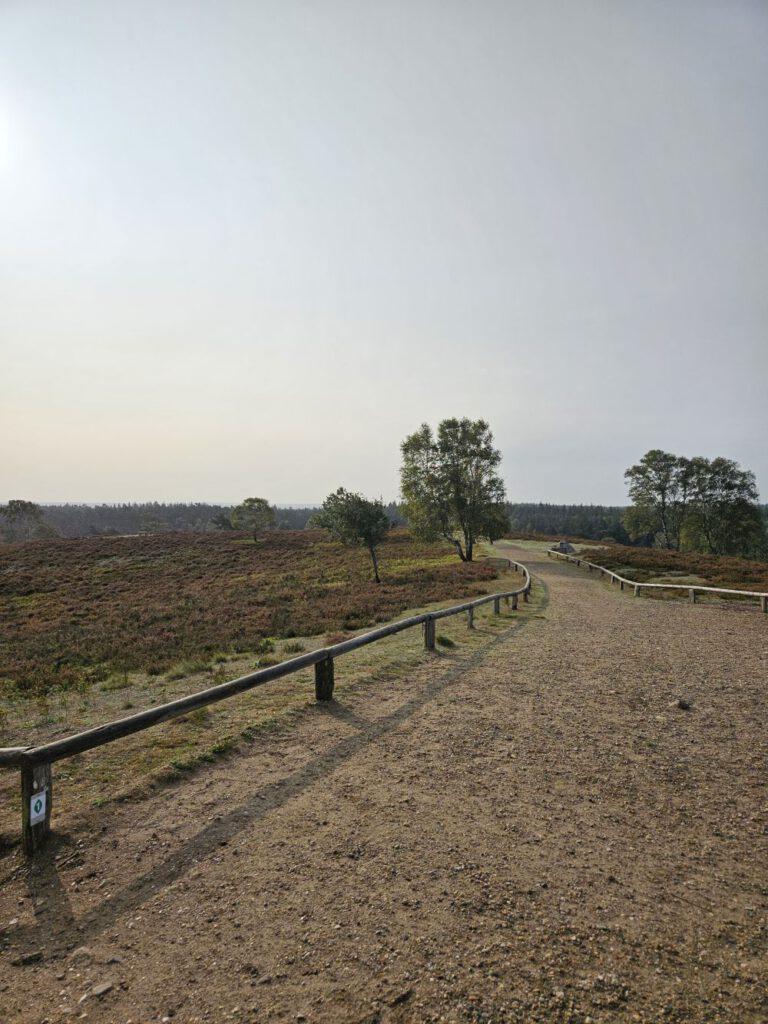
<point>36,799</point>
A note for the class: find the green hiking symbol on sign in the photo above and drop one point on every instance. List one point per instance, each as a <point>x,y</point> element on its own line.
<point>37,806</point>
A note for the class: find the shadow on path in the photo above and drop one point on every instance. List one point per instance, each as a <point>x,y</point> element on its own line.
<point>56,929</point>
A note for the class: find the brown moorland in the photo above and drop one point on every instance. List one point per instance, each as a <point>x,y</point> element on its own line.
<point>73,611</point>
<point>649,564</point>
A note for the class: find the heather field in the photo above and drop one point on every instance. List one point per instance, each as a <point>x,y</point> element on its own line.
<point>94,629</point>
<point>72,612</point>
<point>654,565</point>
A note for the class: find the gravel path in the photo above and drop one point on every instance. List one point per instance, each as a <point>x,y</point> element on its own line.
<point>538,833</point>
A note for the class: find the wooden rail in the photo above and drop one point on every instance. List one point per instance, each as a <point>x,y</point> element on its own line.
<point>35,761</point>
<point>692,590</point>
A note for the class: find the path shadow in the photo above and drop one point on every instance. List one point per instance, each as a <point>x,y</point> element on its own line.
<point>57,929</point>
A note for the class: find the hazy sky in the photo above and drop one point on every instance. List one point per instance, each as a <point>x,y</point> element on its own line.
<point>247,246</point>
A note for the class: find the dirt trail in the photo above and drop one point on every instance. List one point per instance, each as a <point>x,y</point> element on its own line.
<point>537,834</point>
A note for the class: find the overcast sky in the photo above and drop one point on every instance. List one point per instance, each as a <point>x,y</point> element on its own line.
<point>247,246</point>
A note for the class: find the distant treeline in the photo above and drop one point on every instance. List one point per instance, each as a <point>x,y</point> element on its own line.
<point>157,517</point>
<point>151,517</point>
<point>591,521</point>
<point>594,522</point>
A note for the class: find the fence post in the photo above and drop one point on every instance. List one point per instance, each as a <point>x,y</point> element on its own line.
<point>637,591</point>
<point>324,679</point>
<point>514,602</point>
<point>525,593</point>
<point>692,596</point>
<point>36,800</point>
<point>621,584</point>
<point>429,634</point>
<point>497,606</point>
<point>470,617</point>
<point>764,603</point>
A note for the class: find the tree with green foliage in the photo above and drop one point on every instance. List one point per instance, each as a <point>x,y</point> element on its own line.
<point>23,520</point>
<point>254,514</point>
<point>352,519</point>
<point>725,518</point>
<point>698,504</point>
<point>450,486</point>
<point>660,489</point>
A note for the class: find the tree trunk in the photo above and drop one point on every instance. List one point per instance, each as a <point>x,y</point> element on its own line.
<point>469,544</point>
<point>375,561</point>
<point>459,549</point>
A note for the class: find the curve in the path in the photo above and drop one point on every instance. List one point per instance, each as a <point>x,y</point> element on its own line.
<point>543,835</point>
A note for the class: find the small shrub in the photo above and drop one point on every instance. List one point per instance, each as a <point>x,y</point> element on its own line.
<point>294,647</point>
<point>198,665</point>
<point>115,683</point>
<point>98,673</point>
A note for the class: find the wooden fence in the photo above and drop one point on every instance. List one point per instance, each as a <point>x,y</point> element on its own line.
<point>692,590</point>
<point>35,761</point>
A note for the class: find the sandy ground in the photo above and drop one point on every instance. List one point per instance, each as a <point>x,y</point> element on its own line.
<point>536,834</point>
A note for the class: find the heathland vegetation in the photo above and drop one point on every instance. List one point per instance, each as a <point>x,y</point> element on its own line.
<point>72,612</point>
<point>662,565</point>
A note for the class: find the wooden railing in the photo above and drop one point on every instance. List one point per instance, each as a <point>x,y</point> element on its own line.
<point>693,590</point>
<point>35,761</point>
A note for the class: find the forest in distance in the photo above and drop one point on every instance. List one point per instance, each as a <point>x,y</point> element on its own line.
<point>590,522</point>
